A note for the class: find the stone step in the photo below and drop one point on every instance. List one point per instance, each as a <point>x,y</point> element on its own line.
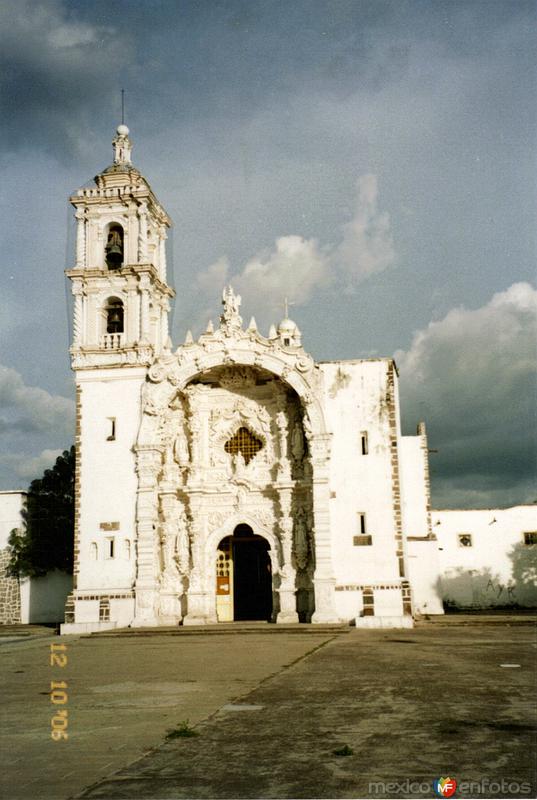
<point>25,629</point>
<point>450,620</point>
<point>224,629</point>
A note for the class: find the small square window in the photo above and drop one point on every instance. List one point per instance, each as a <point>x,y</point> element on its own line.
<point>287,342</point>
<point>359,541</point>
<point>530,537</point>
<point>464,539</point>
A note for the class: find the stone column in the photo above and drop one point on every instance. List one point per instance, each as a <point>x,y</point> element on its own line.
<point>197,593</point>
<point>148,462</point>
<point>287,589</point>
<point>171,584</point>
<point>144,309</point>
<point>78,319</point>
<point>162,254</point>
<point>142,234</point>
<point>324,581</point>
<point>80,217</point>
<point>284,465</point>
<point>164,334</point>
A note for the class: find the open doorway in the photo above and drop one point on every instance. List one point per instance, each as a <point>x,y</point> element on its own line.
<point>244,577</point>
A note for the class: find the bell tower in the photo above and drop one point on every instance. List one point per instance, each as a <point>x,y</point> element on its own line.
<point>121,294</point>
<point>120,325</point>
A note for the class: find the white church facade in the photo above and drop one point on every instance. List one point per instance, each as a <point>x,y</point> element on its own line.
<point>231,478</point>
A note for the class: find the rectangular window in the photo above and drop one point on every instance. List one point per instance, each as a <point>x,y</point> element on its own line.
<point>364,449</point>
<point>111,428</point>
<point>530,537</point>
<point>363,538</point>
<point>464,539</point>
<point>110,548</point>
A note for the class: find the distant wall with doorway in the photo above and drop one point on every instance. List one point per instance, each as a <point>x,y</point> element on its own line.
<point>487,557</point>
<point>11,503</point>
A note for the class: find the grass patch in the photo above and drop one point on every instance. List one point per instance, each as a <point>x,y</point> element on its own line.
<point>344,751</point>
<point>183,731</point>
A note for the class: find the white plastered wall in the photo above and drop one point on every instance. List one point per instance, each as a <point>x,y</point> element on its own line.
<point>11,503</point>
<point>108,477</point>
<point>499,569</point>
<point>355,402</point>
<point>422,550</point>
<point>43,599</point>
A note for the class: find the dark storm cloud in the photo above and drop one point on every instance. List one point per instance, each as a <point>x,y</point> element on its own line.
<point>63,63</point>
<point>54,72</point>
<point>472,376</point>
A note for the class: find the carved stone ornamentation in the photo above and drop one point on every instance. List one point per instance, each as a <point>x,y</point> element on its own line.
<point>230,319</point>
<point>236,378</point>
<point>301,541</point>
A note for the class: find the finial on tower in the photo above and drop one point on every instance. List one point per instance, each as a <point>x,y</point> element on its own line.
<point>122,144</point>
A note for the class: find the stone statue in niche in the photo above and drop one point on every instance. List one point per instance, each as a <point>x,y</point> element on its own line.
<point>182,554</point>
<point>175,549</point>
<point>181,449</point>
<point>195,428</point>
<point>301,541</point>
<point>297,442</point>
<point>239,465</point>
<point>168,542</point>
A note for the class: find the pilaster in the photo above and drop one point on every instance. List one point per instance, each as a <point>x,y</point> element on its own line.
<point>324,580</point>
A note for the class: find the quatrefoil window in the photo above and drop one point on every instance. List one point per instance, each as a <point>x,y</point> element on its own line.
<point>245,443</point>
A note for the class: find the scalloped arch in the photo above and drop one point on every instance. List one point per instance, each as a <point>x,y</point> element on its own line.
<point>173,377</point>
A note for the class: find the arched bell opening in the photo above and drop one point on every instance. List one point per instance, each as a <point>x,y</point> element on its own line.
<point>115,315</point>
<point>243,577</point>
<point>114,247</point>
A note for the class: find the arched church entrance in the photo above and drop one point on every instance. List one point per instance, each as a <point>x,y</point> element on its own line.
<point>243,577</point>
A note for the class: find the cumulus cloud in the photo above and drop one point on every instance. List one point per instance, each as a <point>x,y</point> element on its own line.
<point>367,244</point>
<point>30,409</point>
<point>35,427</point>
<point>472,377</point>
<point>61,69</point>
<point>18,470</point>
<point>297,267</point>
<point>294,268</point>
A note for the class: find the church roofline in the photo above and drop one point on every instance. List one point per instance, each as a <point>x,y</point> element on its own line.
<point>485,508</point>
<point>386,359</point>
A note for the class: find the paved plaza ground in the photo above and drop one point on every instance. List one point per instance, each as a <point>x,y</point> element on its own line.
<point>272,710</point>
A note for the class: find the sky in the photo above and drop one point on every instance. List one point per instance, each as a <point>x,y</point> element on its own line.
<point>373,161</point>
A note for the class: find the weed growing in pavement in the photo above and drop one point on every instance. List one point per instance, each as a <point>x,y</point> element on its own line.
<point>344,751</point>
<point>183,731</point>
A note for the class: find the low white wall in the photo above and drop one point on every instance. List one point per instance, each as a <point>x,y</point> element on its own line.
<point>43,599</point>
<point>498,569</point>
<point>423,573</point>
<point>11,503</point>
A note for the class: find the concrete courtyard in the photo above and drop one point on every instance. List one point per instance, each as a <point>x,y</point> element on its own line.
<point>272,710</point>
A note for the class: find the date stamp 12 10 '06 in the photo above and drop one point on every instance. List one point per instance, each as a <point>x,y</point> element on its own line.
<point>58,695</point>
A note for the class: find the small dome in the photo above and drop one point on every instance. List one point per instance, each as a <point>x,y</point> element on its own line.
<point>122,130</point>
<point>287,326</point>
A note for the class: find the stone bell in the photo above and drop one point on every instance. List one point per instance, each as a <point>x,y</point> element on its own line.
<point>114,249</point>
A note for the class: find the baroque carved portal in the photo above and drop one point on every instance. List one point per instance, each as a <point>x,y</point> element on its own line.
<point>230,442</point>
